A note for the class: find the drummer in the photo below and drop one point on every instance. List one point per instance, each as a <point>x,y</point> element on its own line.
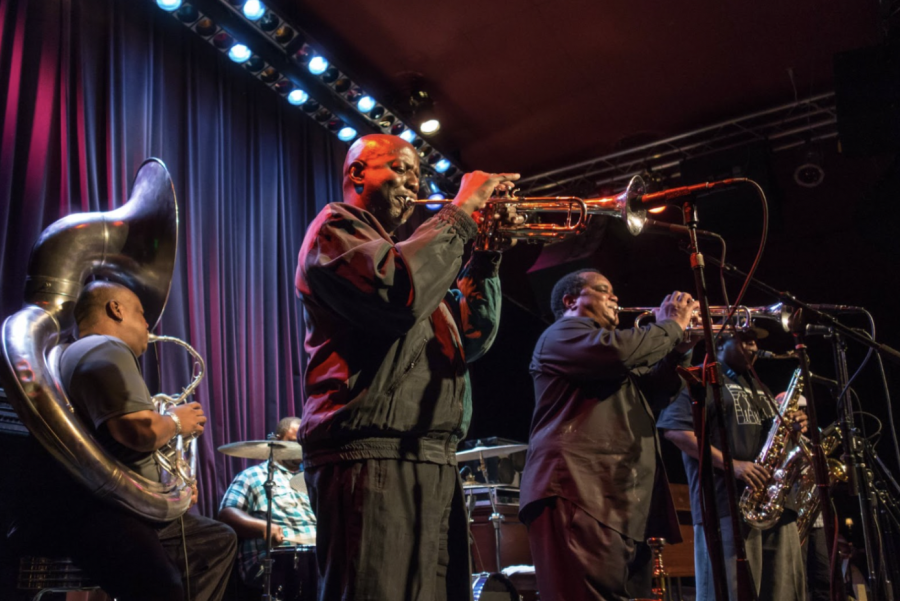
<point>244,508</point>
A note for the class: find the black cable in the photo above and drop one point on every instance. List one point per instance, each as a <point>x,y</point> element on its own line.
<point>187,569</point>
<point>756,261</point>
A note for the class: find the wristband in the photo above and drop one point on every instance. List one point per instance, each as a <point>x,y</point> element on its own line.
<point>177,421</point>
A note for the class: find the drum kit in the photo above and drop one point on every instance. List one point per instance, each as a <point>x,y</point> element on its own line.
<point>292,570</point>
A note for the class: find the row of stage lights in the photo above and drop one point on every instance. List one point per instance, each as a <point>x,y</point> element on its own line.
<point>439,173</point>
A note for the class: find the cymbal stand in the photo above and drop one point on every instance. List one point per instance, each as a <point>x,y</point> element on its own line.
<point>495,518</point>
<point>267,562</point>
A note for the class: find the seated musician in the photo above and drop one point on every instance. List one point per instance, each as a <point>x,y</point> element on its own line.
<point>130,557</point>
<point>244,509</point>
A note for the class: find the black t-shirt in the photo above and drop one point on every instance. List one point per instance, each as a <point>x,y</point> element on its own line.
<point>748,417</point>
<point>103,380</point>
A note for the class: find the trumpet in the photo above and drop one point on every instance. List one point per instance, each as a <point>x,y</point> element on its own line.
<point>493,230</point>
<point>743,316</point>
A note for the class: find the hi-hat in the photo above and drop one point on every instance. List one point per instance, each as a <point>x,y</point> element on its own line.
<point>485,452</point>
<point>259,449</point>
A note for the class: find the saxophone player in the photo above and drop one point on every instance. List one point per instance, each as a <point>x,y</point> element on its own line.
<point>774,555</point>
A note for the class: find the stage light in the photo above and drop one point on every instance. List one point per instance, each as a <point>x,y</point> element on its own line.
<point>187,14</point>
<point>409,135</point>
<point>342,85</point>
<point>239,53</point>
<point>254,9</point>
<point>223,41</point>
<point>283,87</point>
<point>442,165</point>
<point>269,75</point>
<point>330,75</point>
<point>810,173</point>
<point>169,5</point>
<point>269,22</point>
<point>284,34</point>
<point>365,104</point>
<point>254,64</point>
<point>346,134</point>
<point>205,27</point>
<point>434,206</point>
<point>298,97</point>
<point>433,188</point>
<point>317,65</point>
<point>431,126</point>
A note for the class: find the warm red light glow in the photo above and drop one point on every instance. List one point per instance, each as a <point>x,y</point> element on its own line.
<point>657,210</point>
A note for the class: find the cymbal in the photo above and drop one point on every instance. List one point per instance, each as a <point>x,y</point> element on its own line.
<point>485,452</point>
<point>259,449</point>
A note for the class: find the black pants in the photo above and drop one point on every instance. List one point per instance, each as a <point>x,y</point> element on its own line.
<point>577,558</point>
<point>130,558</point>
<point>389,530</point>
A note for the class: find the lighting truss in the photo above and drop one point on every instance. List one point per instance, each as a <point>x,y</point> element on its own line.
<point>784,126</point>
<point>283,57</point>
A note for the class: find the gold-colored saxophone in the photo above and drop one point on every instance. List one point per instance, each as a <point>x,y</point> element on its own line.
<point>804,495</point>
<point>134,245</point>
<point>783,456</point>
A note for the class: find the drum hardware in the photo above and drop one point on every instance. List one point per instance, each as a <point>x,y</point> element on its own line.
<point>493,587</point>
<point>271,450</point>
<point>481,453</point>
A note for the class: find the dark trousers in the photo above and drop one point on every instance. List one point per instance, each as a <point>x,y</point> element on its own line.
<point>578,558</point>
<point>818,565</point>
<point>390,529</point>
<point>130,558</point>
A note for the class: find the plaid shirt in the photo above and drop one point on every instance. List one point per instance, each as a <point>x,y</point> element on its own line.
<point>290,510</point>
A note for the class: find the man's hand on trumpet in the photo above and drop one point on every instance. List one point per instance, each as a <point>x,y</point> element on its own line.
<point>681,307</point>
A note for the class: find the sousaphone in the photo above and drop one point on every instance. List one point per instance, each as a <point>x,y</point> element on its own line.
<point>134,245</point>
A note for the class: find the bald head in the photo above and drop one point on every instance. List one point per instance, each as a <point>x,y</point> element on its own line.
<point>381,175</point>
<point>111,309</point>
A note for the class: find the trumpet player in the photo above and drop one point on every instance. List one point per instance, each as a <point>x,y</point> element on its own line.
<point>131,558</point>
<point>594,486</point>
<point>774,555</point>
<point>387,387</point>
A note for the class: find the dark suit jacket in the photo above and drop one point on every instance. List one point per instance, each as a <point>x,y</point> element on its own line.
<point>593,435</point>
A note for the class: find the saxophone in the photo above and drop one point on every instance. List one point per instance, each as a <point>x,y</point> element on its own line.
<point>783,456</point>
<point>804,496</point>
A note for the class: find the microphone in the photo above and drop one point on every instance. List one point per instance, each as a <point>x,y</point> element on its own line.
<point>681,230</point>
<point>763,354</point>
<point>663,198</point>
<point>824,381</point>
<point>838,308</point>
<point>815,330</point>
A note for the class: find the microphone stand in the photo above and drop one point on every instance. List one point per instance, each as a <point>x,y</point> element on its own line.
<point>859,476</point>
<point>820,467</point>
<point>709,373</point>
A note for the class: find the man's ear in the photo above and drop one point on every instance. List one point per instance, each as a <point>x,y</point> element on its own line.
<point>114,310</point>
<point>568,301</point>
<point>355,172</point>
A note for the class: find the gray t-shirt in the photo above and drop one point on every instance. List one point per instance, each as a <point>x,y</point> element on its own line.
<point>103,379</point>
<point>748,416</point>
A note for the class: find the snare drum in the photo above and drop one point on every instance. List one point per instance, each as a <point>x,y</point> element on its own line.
<point>294,573</point>
<point>493,587</point>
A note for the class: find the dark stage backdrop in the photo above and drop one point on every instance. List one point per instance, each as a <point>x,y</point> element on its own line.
<point>92,88</point>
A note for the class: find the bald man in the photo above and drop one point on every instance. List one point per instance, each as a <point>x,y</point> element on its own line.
<point>387,388</point>
<point>131,558</point>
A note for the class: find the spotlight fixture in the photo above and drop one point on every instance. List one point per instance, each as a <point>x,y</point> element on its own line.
<point>433,189</point>
<point>810,173</point>
<point>298,97</point>
<point>239,53</point>
<point>422,109</point>
<point>346,134</point>
<point>317,65</point>
<point>254,10</point>
<point>408,135</point>
<point>442,165</point>
<point>365,104</point>
<point>187,14</point>
<point>169,5</point>
<point>269,22</point>
<point>205,27</point>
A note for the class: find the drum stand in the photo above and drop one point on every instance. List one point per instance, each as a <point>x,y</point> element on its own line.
<point>496,516</point>
<point>268,486</point>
